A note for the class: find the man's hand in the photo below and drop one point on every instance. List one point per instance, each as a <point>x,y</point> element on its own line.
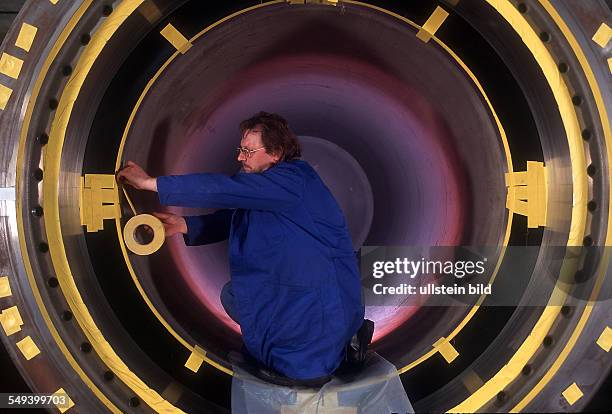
<point>135,176</point>
<point>173,224</point>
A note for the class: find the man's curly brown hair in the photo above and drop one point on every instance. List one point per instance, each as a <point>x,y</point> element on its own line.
<point>276,136</point>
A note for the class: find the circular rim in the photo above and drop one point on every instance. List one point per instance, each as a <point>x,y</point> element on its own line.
<point>579,194</point>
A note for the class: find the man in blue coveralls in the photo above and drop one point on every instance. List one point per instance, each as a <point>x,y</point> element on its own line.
<point>295,285</point>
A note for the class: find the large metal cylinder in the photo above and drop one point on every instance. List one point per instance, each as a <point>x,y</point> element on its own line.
<point>419,116</point>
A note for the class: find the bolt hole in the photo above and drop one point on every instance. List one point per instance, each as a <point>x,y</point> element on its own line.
<point>591,170</point>
<point>38,174</point>
<point>566,310</point>
<point>580,276</point>
<point>586,134</point>
<point>43,139</point>
<point>37,211</point>
<point>501,397</point>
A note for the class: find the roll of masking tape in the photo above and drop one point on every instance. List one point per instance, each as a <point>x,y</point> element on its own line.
<point>129,234</point>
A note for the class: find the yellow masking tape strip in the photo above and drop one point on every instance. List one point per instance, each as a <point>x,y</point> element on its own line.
<point>81,205</point>
<point>514,202</point>
<point>605,339</point>
<point>516,178</point>
<point>26,36</point>
<point>5,287</point>
<point>96,199</point>
<point>194,362</point>
<point>100,180</point>
<point>10,65</point>
<point>63,407</point>
<point>108,195</point>
<point>176,38</point>
<point>572,393</point>
<point>536,205</point>
<point>5,94</point>
<point>28,348</point>
<point>432,24</point>
<point>521,192</point>
<point>86,213</point>
<point>129,200</point>
<point>531,186</point>
<point>448,351</point>
<point>602,35</point>
<point>108,211</point>
<point>11,320</point>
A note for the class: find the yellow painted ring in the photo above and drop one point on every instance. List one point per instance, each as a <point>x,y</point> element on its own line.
<point>129,232</point>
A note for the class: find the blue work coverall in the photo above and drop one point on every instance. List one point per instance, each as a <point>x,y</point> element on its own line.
<point>294,272</point>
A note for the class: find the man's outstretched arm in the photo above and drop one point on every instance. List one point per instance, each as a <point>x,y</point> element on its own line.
<point>276,189</point>
<point>208,228</point>
<point>196,230</point>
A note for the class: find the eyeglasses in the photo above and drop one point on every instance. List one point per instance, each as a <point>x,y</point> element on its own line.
<point>247,152</point>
